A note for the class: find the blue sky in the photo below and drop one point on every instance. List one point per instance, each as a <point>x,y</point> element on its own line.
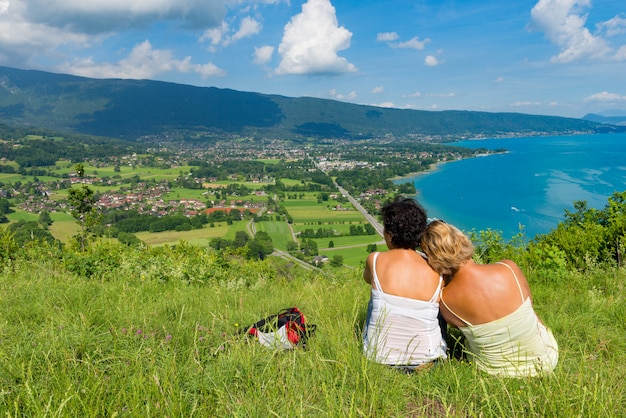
<point>550,57</point>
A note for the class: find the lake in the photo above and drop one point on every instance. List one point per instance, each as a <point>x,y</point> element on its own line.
<point>528,187</point>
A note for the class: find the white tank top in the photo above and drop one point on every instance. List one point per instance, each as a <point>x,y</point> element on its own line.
<point>402,331</point>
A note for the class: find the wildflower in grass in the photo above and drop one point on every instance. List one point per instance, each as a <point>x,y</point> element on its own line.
<point>139,332</point>
<point>124,330</point>
<point>168,337</point>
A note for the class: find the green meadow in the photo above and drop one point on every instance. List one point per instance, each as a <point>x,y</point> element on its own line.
<point>278,231</point>
<point>131,332</point>
<point>199,237</point>
<point>309,211</point>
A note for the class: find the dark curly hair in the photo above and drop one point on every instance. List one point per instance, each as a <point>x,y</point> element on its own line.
<point>405,221</point>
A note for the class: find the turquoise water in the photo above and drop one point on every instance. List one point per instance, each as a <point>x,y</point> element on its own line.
<point>530,186</point>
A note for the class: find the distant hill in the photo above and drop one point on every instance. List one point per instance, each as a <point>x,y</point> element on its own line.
<point>130,109</point>
<point>612,118</point>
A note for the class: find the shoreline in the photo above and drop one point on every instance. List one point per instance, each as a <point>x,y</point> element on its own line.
<point>435,166</point>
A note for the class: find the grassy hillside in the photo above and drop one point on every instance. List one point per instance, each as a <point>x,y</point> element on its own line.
<point>119,331</point>
<point>131,109</point>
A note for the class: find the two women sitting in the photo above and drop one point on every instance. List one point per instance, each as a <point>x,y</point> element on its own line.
<point>491,304</point>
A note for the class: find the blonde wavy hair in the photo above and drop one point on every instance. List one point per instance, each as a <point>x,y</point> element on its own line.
<point>446,247</point>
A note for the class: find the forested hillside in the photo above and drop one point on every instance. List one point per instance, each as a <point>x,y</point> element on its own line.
<point>132,109</point>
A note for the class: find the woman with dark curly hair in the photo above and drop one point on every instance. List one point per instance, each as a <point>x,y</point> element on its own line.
<point>402,327</point>
<point>491,304</point>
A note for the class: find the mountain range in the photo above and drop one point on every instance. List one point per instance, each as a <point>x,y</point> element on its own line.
<point>613,117</point>
<point>131,109</point>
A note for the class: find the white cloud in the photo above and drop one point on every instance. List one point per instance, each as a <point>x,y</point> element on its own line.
<point>620,55</point>
<point>613,27</point>
<point>413,43</point>
<point>605,96</point>
<point>99,16</point>
<point>221,35</point>
<point>563,23</point>
<point>311,41</point>
<point>416,94</point>
<point>525,104</point>
<point>384,104</point>
<point>142,62</point>
<point>20,40</point>
<point>431,61</point>
<point>247,28</point>
<point>386,36</point>
<point>378,89</point>
<point>339,96</point>
<point>499,80</point>
<point>37,30</point>
<point>263,54</point>
<point>215,36</point>
<point>442,95</point>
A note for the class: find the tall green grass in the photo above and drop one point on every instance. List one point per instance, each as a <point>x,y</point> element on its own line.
<point>126,332</point>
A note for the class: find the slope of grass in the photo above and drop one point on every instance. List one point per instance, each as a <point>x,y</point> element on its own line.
<point>152,332</point>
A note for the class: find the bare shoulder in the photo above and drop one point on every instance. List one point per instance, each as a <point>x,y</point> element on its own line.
<point>519,275</point>
<point>370,257</point>
<point>423,268</point>
<point>513,266</point>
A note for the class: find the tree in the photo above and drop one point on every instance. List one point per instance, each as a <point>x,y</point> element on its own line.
<point>80,170</point>
<point>24,232</point>
<point>44,219</point>
<point>83,205</point>
<point>371,248</point>
<point>260,247</point>
<point>309,247</point>
<point>241,238</point>
<point>129,239</point>
<point>331,244</point>
<point>5,206</point>
<point>337,261</point>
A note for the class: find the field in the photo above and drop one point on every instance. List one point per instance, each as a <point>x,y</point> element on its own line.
<point>309,211</point>
<point>199,237</point>
<point>154,333</point>
<point>306,212</point>
<point>278,231</point>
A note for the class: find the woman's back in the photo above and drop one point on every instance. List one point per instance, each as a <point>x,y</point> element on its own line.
<point>483,293</point>
<point>492,306</point>
<point>402,326</point>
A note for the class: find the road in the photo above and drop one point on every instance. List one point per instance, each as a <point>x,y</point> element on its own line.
<point>372,220</point>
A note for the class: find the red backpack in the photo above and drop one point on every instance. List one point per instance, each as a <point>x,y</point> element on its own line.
<point>285,330</point>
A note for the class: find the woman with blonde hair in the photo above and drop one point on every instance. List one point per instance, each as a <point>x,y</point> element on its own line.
<point>491,304</point>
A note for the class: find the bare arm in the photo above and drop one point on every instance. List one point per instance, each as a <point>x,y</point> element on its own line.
<point>367,272</point>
